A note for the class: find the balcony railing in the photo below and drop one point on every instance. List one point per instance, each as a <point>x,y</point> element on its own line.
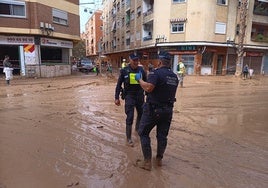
<point>259,38</point>
<point>147,38</point>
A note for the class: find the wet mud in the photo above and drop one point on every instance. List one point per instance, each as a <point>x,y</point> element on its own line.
<point>67,132</point>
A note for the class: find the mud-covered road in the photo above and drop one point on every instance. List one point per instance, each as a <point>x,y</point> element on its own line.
<point>67,132</point>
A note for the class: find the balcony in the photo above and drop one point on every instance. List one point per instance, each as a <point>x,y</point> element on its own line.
<point>259,38</point>
<point>148,16</point>
<point>147,38</point>
<point>259,32</point>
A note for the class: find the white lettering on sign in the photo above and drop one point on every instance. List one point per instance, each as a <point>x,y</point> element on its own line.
<point>18,40</point>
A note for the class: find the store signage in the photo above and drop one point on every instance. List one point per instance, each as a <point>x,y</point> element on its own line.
<point>183,48</point>
<point>176,20</point>
<point>56,43</point>
<point>16,40</point>
<point>30,57</point>
<point>254,54</point>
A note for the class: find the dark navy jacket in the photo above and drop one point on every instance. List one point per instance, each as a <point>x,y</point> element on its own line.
<point>131,86</point>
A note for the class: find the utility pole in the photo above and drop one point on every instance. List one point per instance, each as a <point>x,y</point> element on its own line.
<point>241,35</point>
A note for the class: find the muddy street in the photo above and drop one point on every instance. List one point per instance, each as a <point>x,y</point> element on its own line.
<point>67,132</point>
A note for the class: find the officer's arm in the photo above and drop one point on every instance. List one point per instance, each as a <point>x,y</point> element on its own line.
<point>146,86</point>
<point>118,85</point>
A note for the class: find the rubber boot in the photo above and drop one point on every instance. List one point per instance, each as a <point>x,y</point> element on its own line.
<point>144,164</point>
<point>128,134</point>
<point>158,161</point>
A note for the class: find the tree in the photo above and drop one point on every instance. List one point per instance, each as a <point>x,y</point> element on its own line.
<point>79,49</point>
<point>241,35</point>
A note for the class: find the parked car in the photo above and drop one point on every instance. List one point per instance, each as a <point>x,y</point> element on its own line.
<point>85,65</point>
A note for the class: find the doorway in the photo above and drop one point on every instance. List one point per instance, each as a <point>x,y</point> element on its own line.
<point>219,64</point>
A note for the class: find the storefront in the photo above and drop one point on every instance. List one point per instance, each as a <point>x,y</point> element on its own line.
<point>37,57</point>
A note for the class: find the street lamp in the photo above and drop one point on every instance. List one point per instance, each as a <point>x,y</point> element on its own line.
<point>88,9</point>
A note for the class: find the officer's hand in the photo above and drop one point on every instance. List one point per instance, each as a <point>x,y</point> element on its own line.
<point>138,76</point>
<point>117,102</point>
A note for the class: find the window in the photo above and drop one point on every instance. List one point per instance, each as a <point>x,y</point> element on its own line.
<point>222,2</point>
<point>220,28</point>
<point>188,61</point>
<point>177,27</point>
<point>138,11</point>
<point>261,7</point>
<point>59,16</point>
<point>132,15</point>
<point>207,58</point>
<point>179,1</point>
<point>12,8</point>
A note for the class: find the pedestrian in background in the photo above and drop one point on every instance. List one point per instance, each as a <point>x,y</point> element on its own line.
<point>7,69</point>
<point>181,72</point>
<point>132,93</point>
<point>124,64</point>
<point>245,72</point>
<point>97,69</point>
<point>161,90</point>
<point>109,69</point>
<point>250,73</point>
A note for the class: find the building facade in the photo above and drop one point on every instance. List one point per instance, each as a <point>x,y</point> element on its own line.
<point>39,35</point>
<point>203,34</point>
<point>93,35</point>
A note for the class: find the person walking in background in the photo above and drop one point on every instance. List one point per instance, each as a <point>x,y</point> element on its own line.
<point>181,72</point>
<point>245,72</point>
<point>7,69</point>
<point>250,73</point>
<point>124,64</point>
<point>109,70</point>
<point>97,69</point>
<point>131,92</point>
<point>161,90</point>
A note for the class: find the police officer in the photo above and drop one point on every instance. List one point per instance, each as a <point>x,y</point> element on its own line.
<point>157,111</point>
<point>132,93</point>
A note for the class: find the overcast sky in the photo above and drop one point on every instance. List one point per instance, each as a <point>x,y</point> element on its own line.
<point>84,16</point>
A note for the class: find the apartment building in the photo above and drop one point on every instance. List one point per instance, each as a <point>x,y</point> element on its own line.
<point>93,35</point>
<point>204,34</point>
<point>39,35</point>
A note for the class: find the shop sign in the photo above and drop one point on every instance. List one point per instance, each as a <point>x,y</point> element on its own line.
<point>56,43</point>
<point>16,40</point>
<point>29,54</point>
<point>254,54</point>
<point>183,48</point>
<point>177,20</point>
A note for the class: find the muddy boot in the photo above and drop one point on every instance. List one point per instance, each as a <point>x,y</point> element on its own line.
<point>144,164</point>
<point>128,134</point>
<point>130,143</point>
<point>158,161</point>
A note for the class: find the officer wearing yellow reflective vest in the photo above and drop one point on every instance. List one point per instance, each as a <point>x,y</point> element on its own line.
<point>132,93</point>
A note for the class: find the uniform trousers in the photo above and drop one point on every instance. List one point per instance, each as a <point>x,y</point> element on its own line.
<point>161,118</point>
<point>133,101</point>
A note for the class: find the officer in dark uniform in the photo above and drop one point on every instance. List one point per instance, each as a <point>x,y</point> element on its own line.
<point>132,93</point>
<point>157,111</point>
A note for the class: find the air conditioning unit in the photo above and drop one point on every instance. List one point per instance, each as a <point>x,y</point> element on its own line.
<point>41,24</point>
